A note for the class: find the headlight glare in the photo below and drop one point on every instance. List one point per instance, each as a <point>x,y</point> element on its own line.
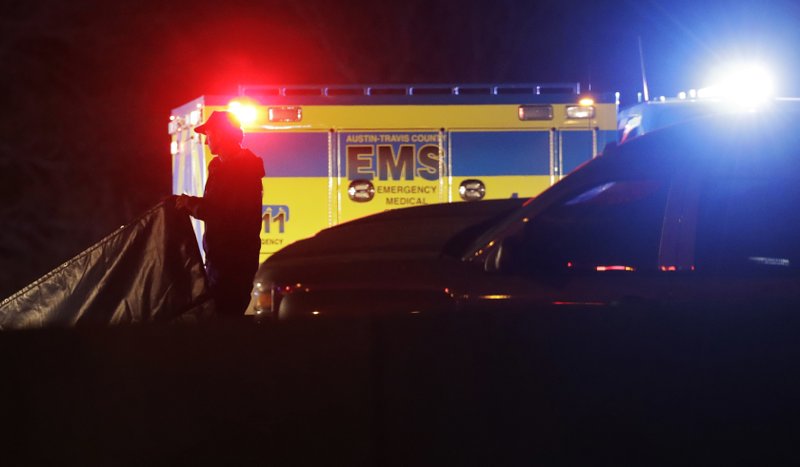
<point>262,298</point>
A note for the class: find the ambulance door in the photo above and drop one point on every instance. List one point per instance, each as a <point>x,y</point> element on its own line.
<point>575,147</point>
<point>382,170</point>
<point>499,164</point>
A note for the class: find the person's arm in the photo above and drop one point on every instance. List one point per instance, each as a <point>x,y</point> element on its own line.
<point>194,205</point>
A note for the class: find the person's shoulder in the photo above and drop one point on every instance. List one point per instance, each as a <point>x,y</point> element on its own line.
<point>248,154</point>
<point>214,164</point>
<point>248,163</point>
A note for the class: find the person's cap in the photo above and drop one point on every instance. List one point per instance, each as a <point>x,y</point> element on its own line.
<point>219,120</point>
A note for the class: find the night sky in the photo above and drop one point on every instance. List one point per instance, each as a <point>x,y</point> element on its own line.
<point>88,84</point>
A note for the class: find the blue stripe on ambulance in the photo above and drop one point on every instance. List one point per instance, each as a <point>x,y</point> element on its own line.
<point>482,153</point>
<point>389,155</point>
<point>287,154</point>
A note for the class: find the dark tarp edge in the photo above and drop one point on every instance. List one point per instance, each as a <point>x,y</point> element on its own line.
<point>149,270</point>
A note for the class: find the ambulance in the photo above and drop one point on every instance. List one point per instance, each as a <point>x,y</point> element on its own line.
<point>336,153</point>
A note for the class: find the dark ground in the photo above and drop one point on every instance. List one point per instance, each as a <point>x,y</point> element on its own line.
<point>702,387</point>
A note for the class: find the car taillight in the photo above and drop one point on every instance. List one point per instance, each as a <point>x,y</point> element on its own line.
<point>262,299</point>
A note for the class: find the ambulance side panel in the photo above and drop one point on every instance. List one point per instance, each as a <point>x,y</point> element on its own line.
<point>509,164</point>
<point>298,193</point>
<point>400,168</point>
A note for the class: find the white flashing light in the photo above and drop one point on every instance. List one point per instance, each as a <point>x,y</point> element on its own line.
<point>580,111</point>
<point>246,112</point>
<point>747,85</point>
<point>682,95</point>
<point>194,117</point>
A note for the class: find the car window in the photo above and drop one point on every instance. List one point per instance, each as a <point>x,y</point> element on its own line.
<point>611,226</point>
<point>748,226</point>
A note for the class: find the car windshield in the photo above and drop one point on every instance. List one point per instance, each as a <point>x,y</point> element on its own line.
<point>588,210</point>
<point>512,222</point>
<point>615,224</point>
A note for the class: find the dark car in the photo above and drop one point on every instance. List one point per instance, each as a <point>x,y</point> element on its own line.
<point>704,212</point>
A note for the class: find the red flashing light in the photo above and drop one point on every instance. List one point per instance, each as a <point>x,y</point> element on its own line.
<point>246,111</point>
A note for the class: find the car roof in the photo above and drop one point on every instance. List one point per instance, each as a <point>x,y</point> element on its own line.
<point>761,141</point>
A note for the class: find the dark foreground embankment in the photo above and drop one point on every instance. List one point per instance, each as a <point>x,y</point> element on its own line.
<point>699,387</point>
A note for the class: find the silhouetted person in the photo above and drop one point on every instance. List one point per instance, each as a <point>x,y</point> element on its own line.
<point>231,210</point>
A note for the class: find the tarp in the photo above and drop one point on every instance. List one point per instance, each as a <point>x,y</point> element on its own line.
<point>149,270</point>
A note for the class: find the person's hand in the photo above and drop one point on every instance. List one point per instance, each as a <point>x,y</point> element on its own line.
<point>182,202</point>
